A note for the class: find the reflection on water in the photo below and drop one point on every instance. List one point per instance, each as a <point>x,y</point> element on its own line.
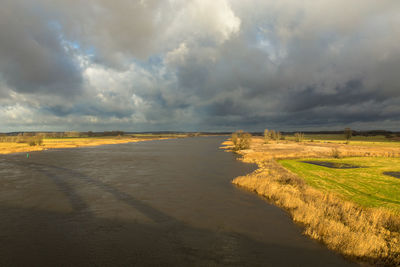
<point>164,202</point>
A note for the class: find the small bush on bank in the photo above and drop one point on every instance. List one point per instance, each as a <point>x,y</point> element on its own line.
<point>245,140</point>
<point>241,140</point>
<point>235,139</point>
<point>32,143</point>
<point>335,153</point>
<point>31,140</point>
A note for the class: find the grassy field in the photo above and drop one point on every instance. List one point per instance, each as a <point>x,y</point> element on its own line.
<point>367,186</point>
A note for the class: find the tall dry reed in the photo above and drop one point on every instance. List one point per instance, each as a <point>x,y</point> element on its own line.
<point>365,234</point>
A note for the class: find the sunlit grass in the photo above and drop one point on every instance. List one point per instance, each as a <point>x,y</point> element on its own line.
<point>367,186</point>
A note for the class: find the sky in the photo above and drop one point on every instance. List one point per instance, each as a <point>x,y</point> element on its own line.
<point>199,65</point>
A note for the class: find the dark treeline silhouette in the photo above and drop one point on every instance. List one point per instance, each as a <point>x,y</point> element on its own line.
<point>36,138</point>
<point>6,136</point>
<point>105,133</point>
<point>386,133</point>
<point>354,133</point>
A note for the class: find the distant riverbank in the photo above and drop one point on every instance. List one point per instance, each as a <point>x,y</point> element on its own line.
<point>55,143</point>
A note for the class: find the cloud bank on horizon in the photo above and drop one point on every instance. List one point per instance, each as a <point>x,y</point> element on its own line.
<point>199,65</point>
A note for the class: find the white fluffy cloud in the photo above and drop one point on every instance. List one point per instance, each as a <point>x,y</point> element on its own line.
<point>202,20</point>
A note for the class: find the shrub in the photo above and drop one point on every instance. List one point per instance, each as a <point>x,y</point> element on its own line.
<point>235,139</point>
<point>335,153</point>
<point>241,140</point>
<point>32,142</point>
<point>39,140</point>
<point>245,140</point>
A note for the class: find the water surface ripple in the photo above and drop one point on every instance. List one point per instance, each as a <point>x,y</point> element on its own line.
<point>166,203</point>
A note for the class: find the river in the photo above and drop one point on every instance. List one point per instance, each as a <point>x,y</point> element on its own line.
<point>165,202</point>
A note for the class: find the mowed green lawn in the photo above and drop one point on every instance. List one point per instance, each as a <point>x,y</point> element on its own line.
<point>367,186</point>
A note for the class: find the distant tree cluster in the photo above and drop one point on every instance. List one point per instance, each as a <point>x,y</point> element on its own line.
<point>54,135</point>
<point>272,135</point>
<point>72,134</point>
<point>193,134</point>
<point>113,133</point>
<point>388,134</point>
<point>105,133</point>
<point>241,140</point>
<point>299,137</point>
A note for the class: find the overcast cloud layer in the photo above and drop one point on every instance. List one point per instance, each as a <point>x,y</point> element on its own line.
<point>199,65</point>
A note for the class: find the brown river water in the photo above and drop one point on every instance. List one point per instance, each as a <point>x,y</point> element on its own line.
<point>154,203</point>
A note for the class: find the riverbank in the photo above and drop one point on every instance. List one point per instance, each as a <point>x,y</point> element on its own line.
<point>362,233</point>
<point>56,143</point>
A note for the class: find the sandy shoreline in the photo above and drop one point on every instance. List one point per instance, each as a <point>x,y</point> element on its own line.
<point>54,143</point>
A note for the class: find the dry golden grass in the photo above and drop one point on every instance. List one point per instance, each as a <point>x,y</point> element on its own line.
<point>283,149</point>
<point>8,147</point>
<point>365,234</point>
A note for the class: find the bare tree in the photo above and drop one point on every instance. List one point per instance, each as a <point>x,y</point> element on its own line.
<point>266,136</point>
<point>299,137</point>
<point>348,133</point>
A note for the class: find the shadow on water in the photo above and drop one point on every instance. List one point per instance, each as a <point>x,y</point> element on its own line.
<point>33,237</point>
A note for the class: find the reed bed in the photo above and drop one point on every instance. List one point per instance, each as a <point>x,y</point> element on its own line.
<point>364,234</point>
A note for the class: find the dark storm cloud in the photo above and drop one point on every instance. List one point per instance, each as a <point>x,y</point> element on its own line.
<point>323,77</point>
<point>33,59</point>
<point>351,93</point>
<point>200,64</point>
<point>116,31</point>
